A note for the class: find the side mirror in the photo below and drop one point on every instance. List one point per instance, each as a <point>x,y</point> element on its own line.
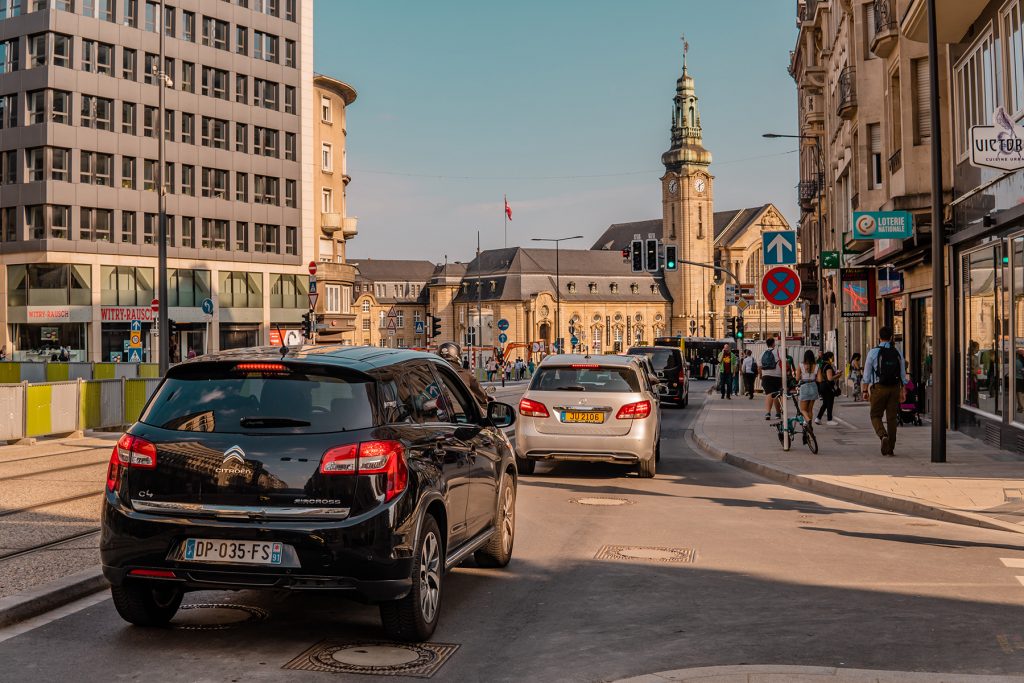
<point>501,415</point>
<point>491,390</point>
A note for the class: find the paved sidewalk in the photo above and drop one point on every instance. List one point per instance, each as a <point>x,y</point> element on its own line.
<point>809,674</point>
<point>979,485</point>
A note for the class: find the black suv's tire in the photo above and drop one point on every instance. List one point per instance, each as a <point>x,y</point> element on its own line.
<point>525,465</point>
<point>414,617</point>
<point>147,603</point>
<point>647,468</point>
<point>498,550</point>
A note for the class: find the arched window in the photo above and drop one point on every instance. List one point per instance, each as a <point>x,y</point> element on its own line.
<point>755,267</point>
<point>693,117</point>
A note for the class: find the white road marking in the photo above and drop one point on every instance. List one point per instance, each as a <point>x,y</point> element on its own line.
<point>1021,579</point>
<point>1012,561</point>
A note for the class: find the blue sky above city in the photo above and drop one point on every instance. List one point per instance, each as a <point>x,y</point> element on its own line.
<point>563,106</point>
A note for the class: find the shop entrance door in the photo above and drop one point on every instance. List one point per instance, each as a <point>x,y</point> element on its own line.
<point>920,359</point>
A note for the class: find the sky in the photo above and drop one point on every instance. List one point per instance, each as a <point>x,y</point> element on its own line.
<point>561,105</point>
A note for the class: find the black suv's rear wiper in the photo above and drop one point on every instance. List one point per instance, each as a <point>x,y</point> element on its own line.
<point>272,422</point>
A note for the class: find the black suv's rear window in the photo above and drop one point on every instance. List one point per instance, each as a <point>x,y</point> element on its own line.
<point>591,380</point>
<point>230,398</point>
<point>660,358</point>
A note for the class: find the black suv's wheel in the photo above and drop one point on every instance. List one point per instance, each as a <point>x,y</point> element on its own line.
<point>525,465</point>
<point>498,550</point>
<point>147,603</point>
<point>414,617</point>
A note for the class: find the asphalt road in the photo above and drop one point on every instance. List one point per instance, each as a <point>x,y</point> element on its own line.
<point>777,577</point>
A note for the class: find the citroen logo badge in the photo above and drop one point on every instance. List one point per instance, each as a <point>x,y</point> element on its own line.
<point>236,454</point>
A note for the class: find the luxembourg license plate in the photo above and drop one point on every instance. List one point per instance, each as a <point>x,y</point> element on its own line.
<point>232,552</point>
<point>586,416</point>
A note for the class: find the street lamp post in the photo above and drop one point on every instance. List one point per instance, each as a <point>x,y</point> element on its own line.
<point>558,285</point>
<point>163,325</point>
<point>819,181</point>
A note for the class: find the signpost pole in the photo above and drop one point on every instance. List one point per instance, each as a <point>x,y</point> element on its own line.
<point>938,264</point>
<point>786,445</point>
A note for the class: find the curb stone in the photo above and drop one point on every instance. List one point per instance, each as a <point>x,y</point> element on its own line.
<point>32,603</point>
<point>745,673</point>
<point>848,492</point>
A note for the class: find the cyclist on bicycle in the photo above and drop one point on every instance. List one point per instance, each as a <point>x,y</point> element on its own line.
<point>808,374</point>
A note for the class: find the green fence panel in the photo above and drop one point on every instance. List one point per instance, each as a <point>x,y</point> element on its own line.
<point>57,372</point>
<point>104,370</point>
<point>149,370</point>
<point>89,406</point>
<point>135,395</point>
<point>10,373</point>
<point>38,400</point>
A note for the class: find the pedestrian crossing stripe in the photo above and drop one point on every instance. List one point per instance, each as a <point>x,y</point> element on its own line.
<point>1015,562</point>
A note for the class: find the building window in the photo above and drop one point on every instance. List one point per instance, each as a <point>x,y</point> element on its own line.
<point>291,240</point>
<point>289,147</point>
<point>982,277</point>
<point>264,46</point>
<point>35,165</point>
<point>921,105</point>
<point>215,234</point>
<point>325,109</point>
<point>215,83</point>
<point>129,223</point>
<point>128,118</point>
<point>241,236</point>
<point>266,190</point>
<point>1012,30</point>
<point>241,88</point>
<point>37,52</point>
<point>188,180</point>
<point>874,156</point>
<point>267,239</point>
<point>8,56</point>
<point>10,8</point>
<point>60,164</point>
<point>366,324</point>
<point>289,100</point>
<point>241,138</point>
<point>974,91</point>
<point>265,141</point>
<point>97,112</point>
<point>327,157</point>
<point>169,17</point>
<point>288,291</point>
<point>289,10</point>
<point>215,33</point>
<point>264,93</point>
<point>148,121</point>
<point>188,231</point>
<point>327,200</point>
<point>36,100</point>
<point>188,76</point>
<point>215,133</point>
<point>188,128</point>
<point>241,186</point>
<point>128,173</point>
<point>289,53</point>
<point>96,168</point>
<point>96,224</point>
<point>240,290</point>
<point>366,306</point>
<point>215,183</point>
<point>129,64</point>
<point>242,40</point>
<point>8,111</point>
<point>130,13</point>
<point>187,287</point>
<point>332,299</point>
<point>188,26</point>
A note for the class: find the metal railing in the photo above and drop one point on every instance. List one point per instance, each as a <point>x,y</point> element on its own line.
<point>808,190</point>
<point>896,161</point>
<point>846,90</point>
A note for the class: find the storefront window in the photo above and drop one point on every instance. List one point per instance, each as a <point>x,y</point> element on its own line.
<point>981,281</point>
<point>81,285</point>
<point>48,284</point>
<point>17,286</point>
<point>42,342</point>
<point>288,291</point>
<point>188,287</point>
<point>1018,328</point>
<point>126,286</point>
<point>240,290</point>
<point>238,336</point>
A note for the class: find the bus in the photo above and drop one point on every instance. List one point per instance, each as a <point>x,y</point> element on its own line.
<point>701,353</point>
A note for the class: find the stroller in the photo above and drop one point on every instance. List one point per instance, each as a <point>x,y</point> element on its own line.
<point>910,410</point>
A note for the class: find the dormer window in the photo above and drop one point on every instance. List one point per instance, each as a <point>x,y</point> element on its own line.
<point>593,287</point>
<point>615,288</point>
<point>494,285</point>
<point>571,287</point>
<point>635,288</point>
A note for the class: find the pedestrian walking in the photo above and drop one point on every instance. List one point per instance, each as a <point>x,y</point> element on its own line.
<point>728,364</point>
<point>770,371</point>
<point>885,379</point>
<point>530,367</point>
<point>827,389</point>
<point>854,372</point>
<point>749,366</point>
<point>492,366</point>
<point>520,369</point>
<point>807,381</point>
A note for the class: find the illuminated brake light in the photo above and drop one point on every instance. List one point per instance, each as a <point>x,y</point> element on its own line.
<point>113,470</point>
<point>133,451</point>
<point>585,366</point>
<point>153,573</point>
<point>340,460</point>
<point>634,411</point>
<point>530,408</point>
<point>370,458</point>
<point>261,367</point>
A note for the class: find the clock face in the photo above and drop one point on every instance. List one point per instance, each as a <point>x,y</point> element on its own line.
<point>699,185</point>
<point>673,186</point>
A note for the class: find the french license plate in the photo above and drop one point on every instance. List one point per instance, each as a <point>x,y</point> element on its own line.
<point>586,416</point>
<point>232,552</point>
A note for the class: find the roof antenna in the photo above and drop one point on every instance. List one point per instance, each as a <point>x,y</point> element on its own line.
<point>284,347</point>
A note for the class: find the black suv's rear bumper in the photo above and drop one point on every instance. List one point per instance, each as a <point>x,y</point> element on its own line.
<point>367,557</point>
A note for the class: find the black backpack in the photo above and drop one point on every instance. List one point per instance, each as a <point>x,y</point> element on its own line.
<point>768,360</point>
<point>887,367</point>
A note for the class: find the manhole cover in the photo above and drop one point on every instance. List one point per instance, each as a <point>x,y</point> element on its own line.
<point>420,660</point>
<point>646,553</point>
<point>601,502</point>
<point>216,616</point>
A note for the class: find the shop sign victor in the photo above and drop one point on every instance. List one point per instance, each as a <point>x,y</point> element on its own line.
<point>1000,145</point>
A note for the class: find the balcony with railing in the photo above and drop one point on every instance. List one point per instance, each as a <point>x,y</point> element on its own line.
<point>846,93</point>
<point>895,162</point>
<point>887,32</point>
<point>331,223</point>
<point>810,7</point>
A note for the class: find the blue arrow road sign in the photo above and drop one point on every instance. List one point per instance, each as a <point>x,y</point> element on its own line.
<point>779,248</point>
<point>136,326</point>
<point>502,338</point>
<point>207,306</point>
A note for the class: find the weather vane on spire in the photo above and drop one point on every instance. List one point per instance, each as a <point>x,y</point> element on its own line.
<point>686,48</point>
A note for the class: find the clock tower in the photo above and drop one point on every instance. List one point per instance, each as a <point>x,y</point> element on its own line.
<point>687,194</point>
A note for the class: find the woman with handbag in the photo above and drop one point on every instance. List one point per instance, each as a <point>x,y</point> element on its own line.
<point>807,375</point>
<point>827,388</point>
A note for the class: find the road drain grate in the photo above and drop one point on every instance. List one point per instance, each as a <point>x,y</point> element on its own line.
<point>216,616</point>
<point>419,660</point>
<point>638,553</point>
<point>601,502</point>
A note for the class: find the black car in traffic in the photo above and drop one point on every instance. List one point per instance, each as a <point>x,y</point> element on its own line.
<point>363,470</point>
<point>668,363</point>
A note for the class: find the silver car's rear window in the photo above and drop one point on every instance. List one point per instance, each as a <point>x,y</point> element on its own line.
<point>591,380</point>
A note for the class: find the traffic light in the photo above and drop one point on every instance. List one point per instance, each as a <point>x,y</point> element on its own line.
<point>435,327</point>
<point>172,326</point>
<point>670,257</point>
<point>307,325</point>
<point>651,256</point>
<point>739,327</point>
<point>730,327</point>
<point>637,252</point>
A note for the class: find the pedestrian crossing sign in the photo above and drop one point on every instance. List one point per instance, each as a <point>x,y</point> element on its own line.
<point>134,355</point>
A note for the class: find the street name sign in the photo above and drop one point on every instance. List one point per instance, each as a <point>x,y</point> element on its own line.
<point>883,225</point>
<point>730,294</point>
<point>779,248</point>
<point>1000,145</point>
<point>780,286</point>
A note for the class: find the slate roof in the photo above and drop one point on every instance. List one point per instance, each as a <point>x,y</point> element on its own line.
<point>371,271</point>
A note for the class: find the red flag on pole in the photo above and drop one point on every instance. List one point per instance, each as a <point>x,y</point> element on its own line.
<point>508,209</point>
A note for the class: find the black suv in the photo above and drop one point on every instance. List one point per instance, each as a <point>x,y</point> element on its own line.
<point>668,363</point>
<point>365,470</point>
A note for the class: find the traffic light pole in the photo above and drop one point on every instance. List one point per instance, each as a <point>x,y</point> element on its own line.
<point>728,274</point>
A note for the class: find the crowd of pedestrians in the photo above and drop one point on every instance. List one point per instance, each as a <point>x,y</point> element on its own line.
<point>881,379</point>
<point>507,370</point>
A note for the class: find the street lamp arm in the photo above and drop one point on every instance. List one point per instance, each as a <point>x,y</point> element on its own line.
<point>709,266</point>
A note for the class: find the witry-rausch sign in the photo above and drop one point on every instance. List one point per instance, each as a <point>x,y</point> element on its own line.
<point>1000,145</point>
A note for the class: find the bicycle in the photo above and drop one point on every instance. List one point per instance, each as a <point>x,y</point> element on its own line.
<point>792,424</point>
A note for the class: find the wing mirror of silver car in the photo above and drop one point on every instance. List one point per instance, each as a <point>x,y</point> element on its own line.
<point>501,415</point>
<point>492,390</point>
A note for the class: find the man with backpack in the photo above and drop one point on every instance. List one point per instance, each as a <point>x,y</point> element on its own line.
<point>885,377</point>
<point>770,370</point>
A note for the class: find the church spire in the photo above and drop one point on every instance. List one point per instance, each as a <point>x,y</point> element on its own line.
<point>687,135</point>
